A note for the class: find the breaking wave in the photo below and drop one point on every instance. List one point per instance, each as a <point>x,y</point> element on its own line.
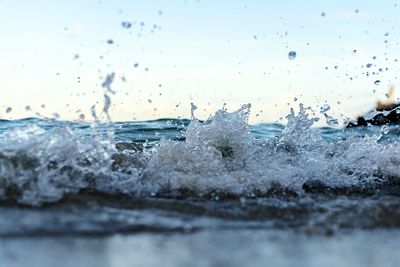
<point>222,157</point>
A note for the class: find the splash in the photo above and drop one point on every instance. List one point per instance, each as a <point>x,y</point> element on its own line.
<point>218,158</point>
<point>39,166</point>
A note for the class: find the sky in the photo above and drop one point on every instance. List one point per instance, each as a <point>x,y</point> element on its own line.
<point>55,56</point>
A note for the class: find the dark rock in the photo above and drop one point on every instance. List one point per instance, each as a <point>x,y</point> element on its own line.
<point>126,163</point>
<point>388,112</point>
<point>121,146</point>
<point>393,117</point>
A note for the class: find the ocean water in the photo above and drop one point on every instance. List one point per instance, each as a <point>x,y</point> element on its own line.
<point>195,191</point>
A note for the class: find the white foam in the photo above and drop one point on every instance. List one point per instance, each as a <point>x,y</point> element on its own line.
<point>219,157</point>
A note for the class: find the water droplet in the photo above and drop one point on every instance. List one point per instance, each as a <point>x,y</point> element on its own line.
<point>385,129</point>
<point>292,55</point>
<point>110,41</point>
<point>126,24</point>
<point>136,65</point>
<point>149,100</point>
<point>369,65</point>
<point>28,108</point>
<point>193,108</point>
<point>82,116</point>
<point>325,108</point>
<point>8,110</point>
<point>377,82</point>
<point>107,83</point>
<point>357,11</point>
<point>323,14</point>
<point>332,121</point>
<point>387,34</point>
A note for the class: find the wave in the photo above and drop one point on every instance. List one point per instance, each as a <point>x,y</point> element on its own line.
<point>222,157</point>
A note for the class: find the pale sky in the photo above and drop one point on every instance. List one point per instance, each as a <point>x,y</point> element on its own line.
<point>55,55</point>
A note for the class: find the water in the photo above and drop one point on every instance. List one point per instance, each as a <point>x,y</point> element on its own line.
<point>292,55</point>
<point>207,248</point>
<point>282,193</point>
<point>126,24</point>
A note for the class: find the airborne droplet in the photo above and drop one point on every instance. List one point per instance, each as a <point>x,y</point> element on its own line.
<point>292,55</point>
<point>126,24</point>
<point>385,129</point>
<point>377,82</point>
<point>325,108</point>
